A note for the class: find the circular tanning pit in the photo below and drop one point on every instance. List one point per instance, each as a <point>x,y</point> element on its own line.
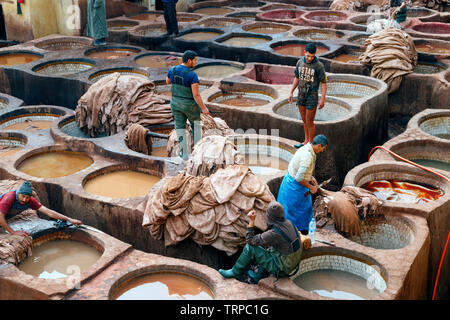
<point>147,16</point>
<point>10,143</point>
<point>429,67</point>
<point>266,28</point>
<point>296,48</point>
<point>70,127</point>
<point>346,55</point>
<point>63,67</point>
<point>213,11</point>
<point>432,30</point>
<point>403,191</point>
<point>393,233</point>
<point>436,125</point>
<point>118,183</point>
<point>325,16</point>
<point>111,52</point>
<point>200,34</point>
<point>219,22</point>
<point>161,285</point>
<point>243,40</point>
<point>334,110</point>
<point>158,61</point>
<point>243,4</point>
<point>319,34</point>
<point>188,17</point>
<point>280,15</point>
<point>14,58</point>
<point>350,87</point>
<point>246,16</point>
<point>53,164</point>
<point>275,6</point>
<point>121,25</point>
<point>217,70</point>
<point>271,74</point>
<point>358,39</point>
<point>420,12</point>
<point>30,122</point>
<point>340,277</point>
<point>125,71</point>
<point>64,44</point>
<point>264,155</point>
<point>57,255</point>
<point>242,98</point>
<point>432,49</point>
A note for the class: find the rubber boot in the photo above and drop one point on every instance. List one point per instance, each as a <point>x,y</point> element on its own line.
<point>239,267</point>
<point>298,145</point>
<point>184,154</point>
<point>256,276</point>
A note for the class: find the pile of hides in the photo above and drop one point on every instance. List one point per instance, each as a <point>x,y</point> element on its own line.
<point>359,5</point>
<point>347,208</point>
<point>212,153</point>
<point>210,126</point>
<point>392,54</point>
<point>117,100</point>
<point>136,139</point>
<point>13,248</point>
<point>210,210</point>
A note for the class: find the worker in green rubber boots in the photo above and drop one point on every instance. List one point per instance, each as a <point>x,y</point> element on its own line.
<point>277,251</point>
<point>97,27</point>
<point>186,102</point>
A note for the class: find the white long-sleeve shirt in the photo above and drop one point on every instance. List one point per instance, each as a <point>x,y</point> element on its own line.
<point>301,166</point>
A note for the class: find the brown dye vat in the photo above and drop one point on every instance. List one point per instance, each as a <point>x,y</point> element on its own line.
<point>111,54</point>
<point>296,49</point>
<point>59,259</point>
<point>426,48</point>
<point>6,151</point>
<point>164,286</point>
<point>198,36</point>
<point>160,151</point>
<point>216,71</point>
<point>318,35</point>
<point>264,164</point>
<point>336,284</point>
<point>121,184</point>
<point>326,17</point>
<point>347,58</point>
<point>268,30</point>
<point>17,58</point>
<point>54,164</point>
<point>158,61</point>
<point>241,101</point>
<point>147,17</point>
<point>213,11</point>
<point>403,192</point>
<point>30,125</point>
<point>244,41</point>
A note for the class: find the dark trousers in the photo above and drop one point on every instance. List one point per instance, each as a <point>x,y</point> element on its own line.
<point>170,16</point>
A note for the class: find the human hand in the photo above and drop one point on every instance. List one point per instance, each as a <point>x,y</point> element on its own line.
<point>20,233</point>
<point>314,181</point>
<point>313,189</point>
<point>321,103</point>
<point>75,222</point>
<point>252,215</point>
<point>290,98</point>
<point>205,111</point>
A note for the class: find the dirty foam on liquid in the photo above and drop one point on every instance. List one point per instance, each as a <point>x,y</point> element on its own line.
<point>30,125</point>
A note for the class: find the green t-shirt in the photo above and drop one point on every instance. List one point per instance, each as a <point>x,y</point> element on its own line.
<point>310,73</point>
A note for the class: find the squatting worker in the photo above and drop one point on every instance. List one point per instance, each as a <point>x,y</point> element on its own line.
<point>97,27</point>
<point>170,17</point>
<point>309,72</point>
<point>277,251</point>
<point>16,201</point>
<point>299,183</point>
<point>401,15</point>
<point>186,102</point>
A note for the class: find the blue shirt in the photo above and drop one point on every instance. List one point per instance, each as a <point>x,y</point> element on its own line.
<point>189,78</point>
<point>169,1</point>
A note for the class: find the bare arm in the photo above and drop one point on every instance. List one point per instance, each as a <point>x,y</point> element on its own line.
<point>324,92</point>
<point>294,85</point>
<point>55,215</point>
<point>4,224</point>
<point>198,98</point>
<point>168,81</point>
